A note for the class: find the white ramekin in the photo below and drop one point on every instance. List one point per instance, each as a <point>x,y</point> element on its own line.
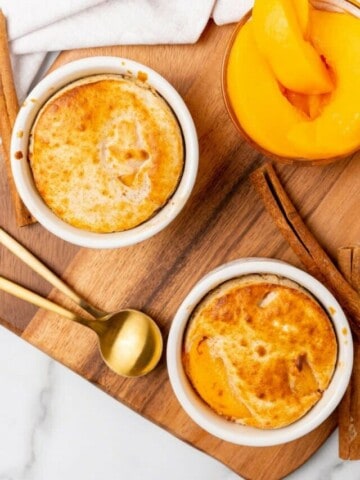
<point>239,434</point>
<point>22,172</point>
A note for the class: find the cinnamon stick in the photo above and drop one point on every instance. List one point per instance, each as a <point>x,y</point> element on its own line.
<point>23,217</point>
<point>12,104</point>
<point>355,268</point>
<point>303,242</point>
<point>8,110</point>
<point>349,408</point>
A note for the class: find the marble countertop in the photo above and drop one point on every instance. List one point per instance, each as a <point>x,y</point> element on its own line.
<point>56,426</point>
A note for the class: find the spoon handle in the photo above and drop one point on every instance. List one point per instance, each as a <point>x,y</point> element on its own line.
<point>17,291</point>
<point>35,264</point>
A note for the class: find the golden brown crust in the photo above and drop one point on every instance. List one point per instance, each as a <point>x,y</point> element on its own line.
<point>260,350</point>
<point>106,153</point>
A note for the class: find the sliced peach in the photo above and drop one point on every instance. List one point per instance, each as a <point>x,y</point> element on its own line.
<point>279,33</point>
<point>336,131</point>
<point>293,125</point>
<point>315,105</point>
<point>210,380</point>
<point>311,105</point>
<point>258,102</point>
<point>302,12</point>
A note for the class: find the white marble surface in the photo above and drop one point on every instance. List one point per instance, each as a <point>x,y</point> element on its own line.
<point>54,426</point>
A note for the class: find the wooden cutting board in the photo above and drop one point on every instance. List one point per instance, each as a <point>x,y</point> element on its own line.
<point>223,220</point>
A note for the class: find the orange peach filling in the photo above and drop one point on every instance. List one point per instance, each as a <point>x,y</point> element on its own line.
<point>291,80</point>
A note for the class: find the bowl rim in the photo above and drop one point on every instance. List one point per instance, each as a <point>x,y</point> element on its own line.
<point>48,86</point>
<point>240,129</point>
<point>218,426</point>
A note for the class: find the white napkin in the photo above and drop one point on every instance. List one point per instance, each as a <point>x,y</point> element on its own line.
<point>25,16</point>
<point>228,11</point>
<point>38,26</point>
<point>123,22</point>
<point>26,68</point>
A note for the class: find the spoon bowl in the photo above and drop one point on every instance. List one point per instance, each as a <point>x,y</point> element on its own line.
<point>130,342</point>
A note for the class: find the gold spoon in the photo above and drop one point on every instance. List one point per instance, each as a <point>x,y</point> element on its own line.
<point>130,341</point>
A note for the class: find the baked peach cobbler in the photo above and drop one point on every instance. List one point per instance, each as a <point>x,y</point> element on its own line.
<point>292,80</point>
<point>260,350</point>
<point>106,153</point>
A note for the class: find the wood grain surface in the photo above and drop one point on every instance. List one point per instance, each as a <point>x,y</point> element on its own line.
<point>222,221</point>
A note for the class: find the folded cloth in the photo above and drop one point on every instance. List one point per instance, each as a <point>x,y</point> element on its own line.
<point>25,16</point>
<point>38,26</point>
<point>26,68</point>
<point>122,22</point>
<point>228,11</point>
